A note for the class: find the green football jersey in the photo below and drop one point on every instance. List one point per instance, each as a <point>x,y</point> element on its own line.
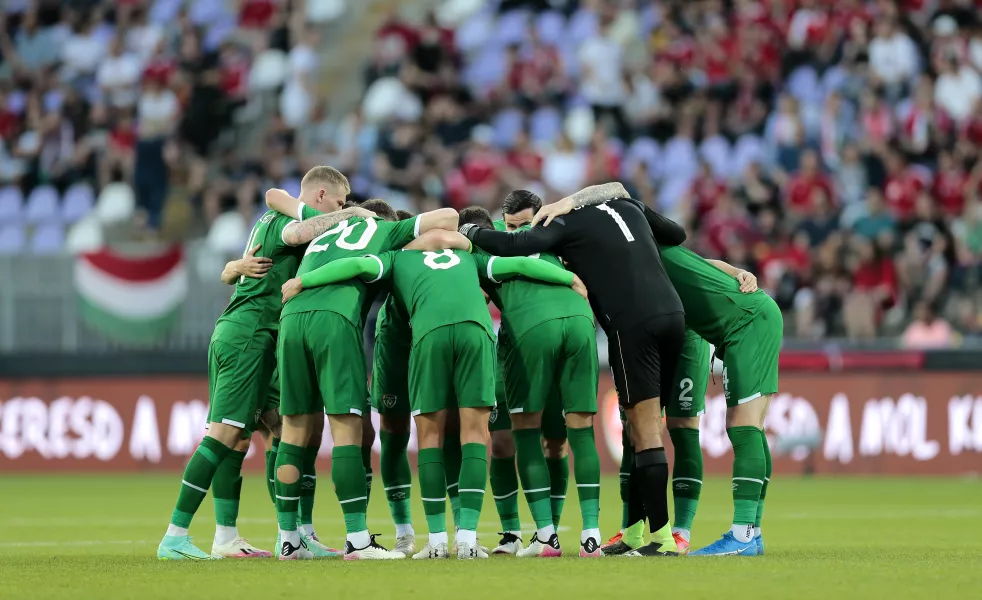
<point>525,303</point>
<point>437,288</point>
<point>714,305</point>
<point>351,238</point>
<point>392,326</point>
<point>256,303</point>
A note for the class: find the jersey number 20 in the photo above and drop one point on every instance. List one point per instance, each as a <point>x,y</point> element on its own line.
<point>343,230</point>
<point>435,260</point>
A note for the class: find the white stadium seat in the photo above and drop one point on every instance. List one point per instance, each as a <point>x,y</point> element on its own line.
<point>116,203</point>
<point>228,233</point>
<point>85,236</point>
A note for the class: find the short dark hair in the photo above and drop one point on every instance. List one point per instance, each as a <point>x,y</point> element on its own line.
<point>402,215</point>
<point>477,215</point>
<point>381,208</point>
<point>518,200</point>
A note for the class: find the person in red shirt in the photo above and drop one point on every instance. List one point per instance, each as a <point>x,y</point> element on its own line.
<point>874,289</point>
<point>782,259</point>
<point>398,32</point>
<point>704,192</point>
<point>525,159</point>
<point>725,225</point>
<point>161,66</point>
<point>256,14</point>
<point>803,184</point>
<point>901,187</point>
<point>604,160</point>
<point>950,185</point>
<point>478,179</point>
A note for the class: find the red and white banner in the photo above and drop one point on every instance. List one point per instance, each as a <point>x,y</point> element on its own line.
<point>885,423</point>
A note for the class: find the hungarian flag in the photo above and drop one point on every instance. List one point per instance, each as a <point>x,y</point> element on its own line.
<point>131,300</point>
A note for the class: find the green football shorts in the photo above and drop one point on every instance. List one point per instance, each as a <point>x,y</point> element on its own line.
<point>499,420</point>
<point>751,355</point>
<point>321,365</point>
<point>452,367</point>
<point>390,380</point>
<point>687,396</point>
<point>555,361</point>
<point>238,381</point>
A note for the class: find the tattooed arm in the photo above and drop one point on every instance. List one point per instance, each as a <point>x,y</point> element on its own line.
<point>301,232</point>
<point>595,194</point>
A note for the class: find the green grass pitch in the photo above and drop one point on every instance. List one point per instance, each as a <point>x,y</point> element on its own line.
<point>87,536</point>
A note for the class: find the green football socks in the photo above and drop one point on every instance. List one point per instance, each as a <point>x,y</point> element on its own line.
<point>308,487</point>
<point>534,474</point>
<point>433,489</point>
<point>197,478</point>
<point>271,470</point>
<point>451,465</point>
<point>348,476</point>
<point>558,482</point>
<point>288,494</point>
<point>586,468</point>
<point>226,489</point>
<point>504,486</point>
<point>749,467</point>
<point>397,476</point>
<point>768,468</point>
<point>686,477</point>
<point>473,482</point>
<point>366,459</point>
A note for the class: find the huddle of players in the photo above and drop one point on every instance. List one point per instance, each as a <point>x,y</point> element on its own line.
<point>436,327</point>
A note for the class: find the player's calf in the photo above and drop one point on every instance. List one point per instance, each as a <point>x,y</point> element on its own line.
<point>557,462</point>
<point>504,486</point>
<point>473,479</point>
<point>289,464</point>
<point>587,472</point>
<point>534,474</point>
<point>397,478</point>
<point>195,482</point>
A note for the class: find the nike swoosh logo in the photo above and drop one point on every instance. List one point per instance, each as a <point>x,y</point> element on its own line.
<point>186,555</point>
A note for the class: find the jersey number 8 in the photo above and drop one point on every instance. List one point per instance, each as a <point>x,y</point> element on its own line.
<point>432,259</point>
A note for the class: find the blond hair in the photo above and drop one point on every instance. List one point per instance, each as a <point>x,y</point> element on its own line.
<point>323,175</point>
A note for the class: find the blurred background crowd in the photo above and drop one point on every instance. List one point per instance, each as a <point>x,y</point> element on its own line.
<point>833,148</point>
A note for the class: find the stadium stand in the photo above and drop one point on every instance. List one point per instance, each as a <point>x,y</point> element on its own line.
<point>833,148</point>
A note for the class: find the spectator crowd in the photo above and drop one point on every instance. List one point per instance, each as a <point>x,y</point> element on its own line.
<point>141,111</point>
<point>831,147</point>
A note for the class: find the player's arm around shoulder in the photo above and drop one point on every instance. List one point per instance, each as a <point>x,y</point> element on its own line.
<point>298,233</point>
<point>588,196</point>
<point>441,218</point>
<point>503,268</point>
<point>747,280</point>
<point>439,239</point>
<point>369,268</point>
